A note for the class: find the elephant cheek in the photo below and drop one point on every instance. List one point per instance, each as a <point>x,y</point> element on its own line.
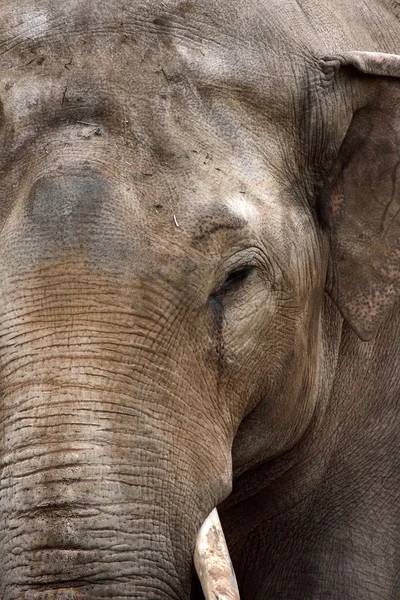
<point>213,563</point>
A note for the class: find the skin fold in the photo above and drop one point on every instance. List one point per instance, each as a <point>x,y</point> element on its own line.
<point>199,253</point>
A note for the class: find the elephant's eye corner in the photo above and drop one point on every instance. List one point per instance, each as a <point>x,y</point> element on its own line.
<point>232,282</point>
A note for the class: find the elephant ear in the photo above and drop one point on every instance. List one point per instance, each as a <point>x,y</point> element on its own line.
<point>360,202</point>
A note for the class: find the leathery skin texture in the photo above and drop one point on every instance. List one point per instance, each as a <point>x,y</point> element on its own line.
<point>199,253</point>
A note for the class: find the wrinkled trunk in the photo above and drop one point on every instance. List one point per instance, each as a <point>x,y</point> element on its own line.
<point>105,480</point>
<point>110,460</point>
<point>89,512</point>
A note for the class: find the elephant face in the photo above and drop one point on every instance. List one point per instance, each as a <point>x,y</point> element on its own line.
<point>163,277</point>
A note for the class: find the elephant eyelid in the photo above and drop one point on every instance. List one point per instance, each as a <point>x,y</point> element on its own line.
<point>234,279</point>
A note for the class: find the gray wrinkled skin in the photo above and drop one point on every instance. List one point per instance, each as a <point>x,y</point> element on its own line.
<point>199,209</point>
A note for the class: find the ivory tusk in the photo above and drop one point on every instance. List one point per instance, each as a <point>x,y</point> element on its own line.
<point>213,563</point>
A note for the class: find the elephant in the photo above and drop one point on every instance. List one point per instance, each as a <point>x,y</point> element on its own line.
<point>199,298</point>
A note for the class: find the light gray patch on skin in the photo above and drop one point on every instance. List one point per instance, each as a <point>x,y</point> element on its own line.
<point>29,22</point>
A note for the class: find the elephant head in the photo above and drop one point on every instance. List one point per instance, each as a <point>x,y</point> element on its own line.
<point>177,202</point>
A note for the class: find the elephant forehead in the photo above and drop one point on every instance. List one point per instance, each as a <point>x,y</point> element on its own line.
<point>166,78</point>
<point>119,39</point>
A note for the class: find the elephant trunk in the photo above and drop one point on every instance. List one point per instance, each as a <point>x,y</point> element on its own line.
<point>82,521</point>
<point>110,463</point>
<point>91,508</point>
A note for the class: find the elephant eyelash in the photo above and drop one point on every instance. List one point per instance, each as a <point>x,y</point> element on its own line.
<point>233,280</point>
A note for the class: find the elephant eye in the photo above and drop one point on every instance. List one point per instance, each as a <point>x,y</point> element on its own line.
<point>233,280</point>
